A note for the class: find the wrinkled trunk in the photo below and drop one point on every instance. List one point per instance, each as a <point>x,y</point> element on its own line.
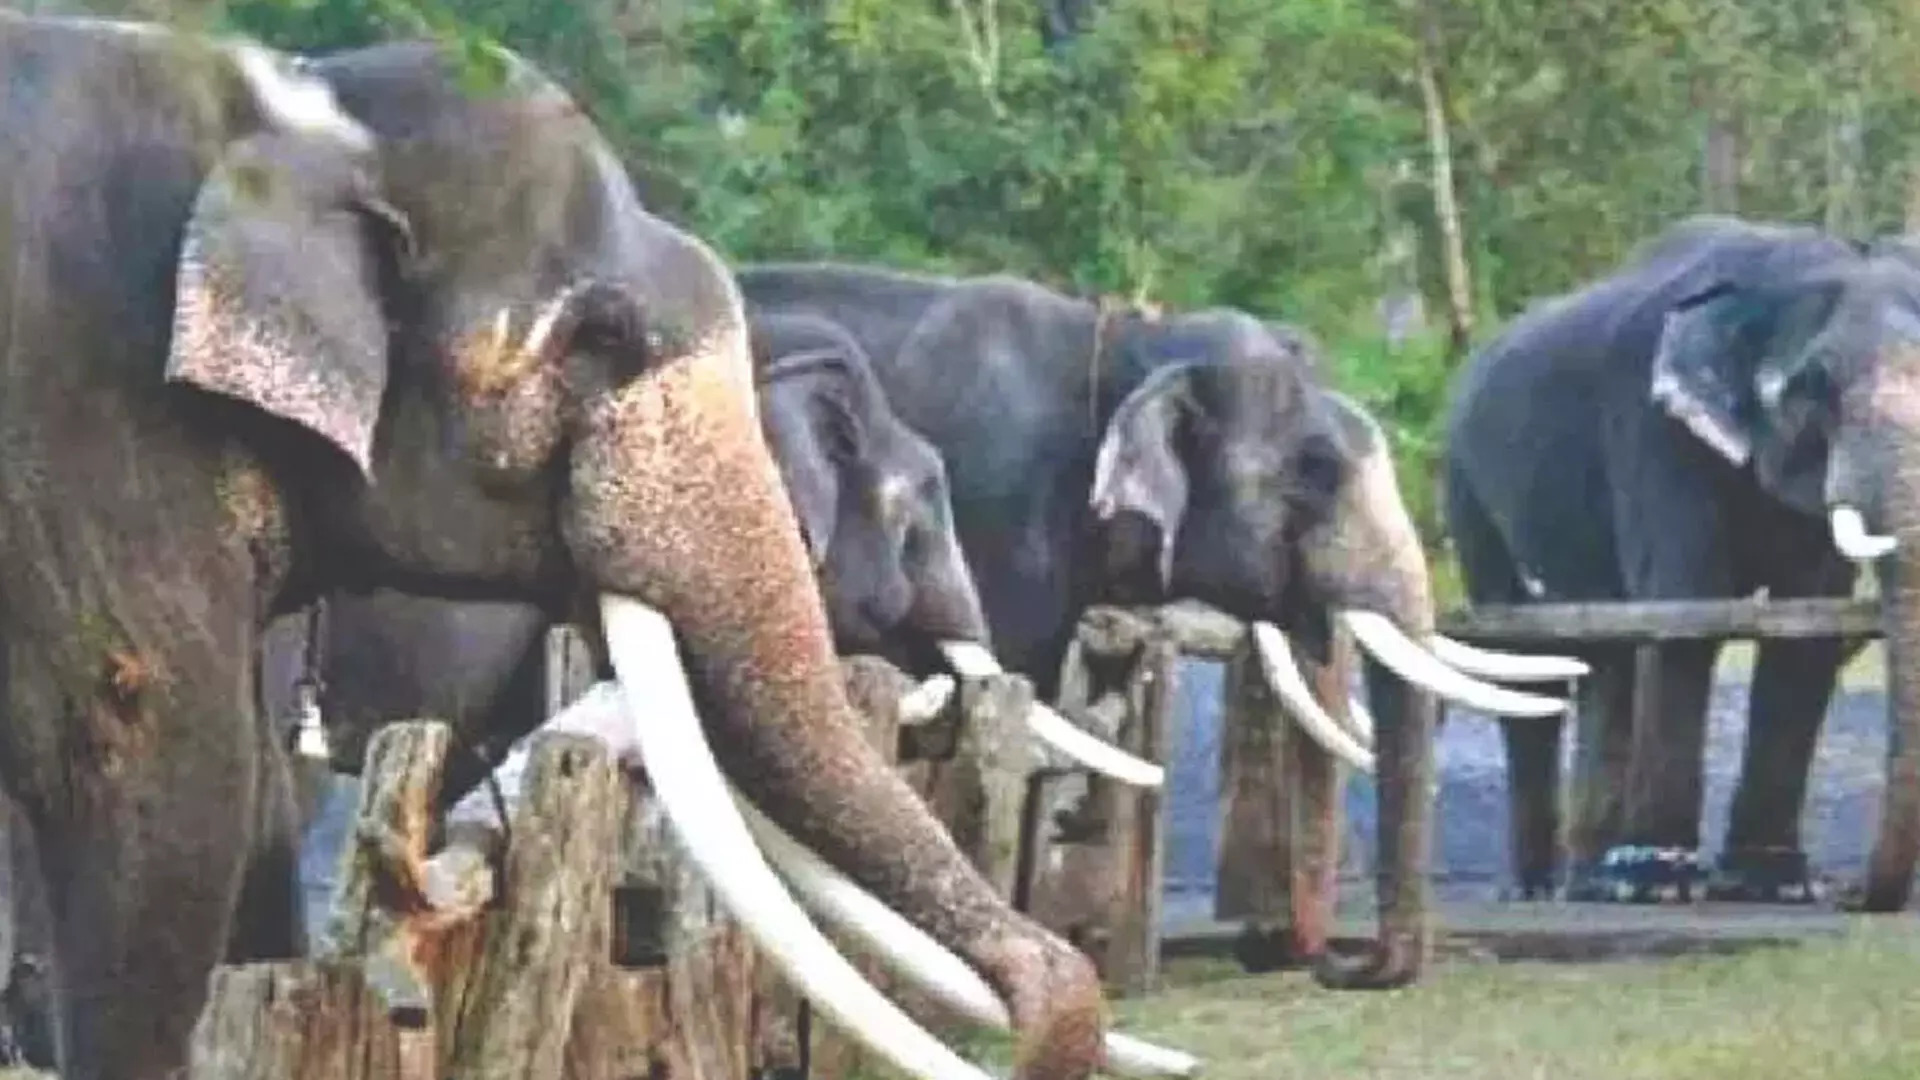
<point>1371,559</point>
<point>676,502</point>
<point>1403,780</point>
<point>1890,871</point>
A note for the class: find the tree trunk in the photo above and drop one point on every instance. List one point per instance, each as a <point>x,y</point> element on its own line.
<point>1720,161</point>
<point>1402,309</point>
<point>1446,206</point>
<point>1844,214</point>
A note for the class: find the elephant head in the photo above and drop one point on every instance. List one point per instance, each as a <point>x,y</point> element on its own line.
<point>1231,476</point>
<point>1796,355</point>
<point>870,493</point>
<point>421,335</point>
<point>877,513</point>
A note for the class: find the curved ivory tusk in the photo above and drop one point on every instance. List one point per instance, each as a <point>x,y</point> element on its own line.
<point>1404,657</point>
<point>1088,749</point>
<point>916,954</point>
<point>1513,667</point>
<point>970,660</point>
<point>926,701</point>
<point>1851,537</point>
<point>1359,721</point>
<point>693,794</point>
<point>1283,675</point>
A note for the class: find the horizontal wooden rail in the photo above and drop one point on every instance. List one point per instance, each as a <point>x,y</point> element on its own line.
<point>1664,620</point>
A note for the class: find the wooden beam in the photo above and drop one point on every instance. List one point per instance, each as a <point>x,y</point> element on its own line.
<point>1664,620</point>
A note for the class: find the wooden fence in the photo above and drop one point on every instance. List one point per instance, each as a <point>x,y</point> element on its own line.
<point>1097,878</point>
<point>596,954</point>
<point>1617,709</point>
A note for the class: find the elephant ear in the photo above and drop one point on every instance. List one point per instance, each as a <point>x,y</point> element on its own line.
<point>1140,468</point>
<point>1702,376</point>
<point>277,287</point>
<point>815,435</point>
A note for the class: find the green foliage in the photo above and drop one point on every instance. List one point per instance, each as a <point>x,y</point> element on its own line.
<point>1256,153</point>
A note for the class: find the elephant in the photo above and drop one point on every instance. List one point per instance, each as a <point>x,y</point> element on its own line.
<point>871,500</point>
<point>391,317</point>
<point>1729,410</point>
<point>1103,455</point>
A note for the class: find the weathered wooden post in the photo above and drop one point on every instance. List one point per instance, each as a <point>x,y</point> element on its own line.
<point>414,983</point>
<point>438,967</point>
<point>971,765</point>
<point>1101,886</point>
<point>1280,796</point>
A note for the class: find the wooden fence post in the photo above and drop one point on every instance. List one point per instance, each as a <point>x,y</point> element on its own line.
<point>1102,889</point>
<point>1256,855</point>
<point>424,978</point>
<point>1280,813</point>
<point>402,994</point>
<point>978,787</point>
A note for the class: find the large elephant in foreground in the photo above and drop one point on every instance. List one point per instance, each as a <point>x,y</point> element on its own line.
<point>1736,408</point>
<point>1099,455</point>
<point>277,328</point>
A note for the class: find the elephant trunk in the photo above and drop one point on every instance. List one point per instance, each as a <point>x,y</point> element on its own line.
<point>1369,562</point>
<point>714,547</point>
<point>1404,782</point>
<point>1897,845</point>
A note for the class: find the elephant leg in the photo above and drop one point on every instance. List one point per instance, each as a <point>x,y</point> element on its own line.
<point>1533,799</point>
<point>1659,859</point>
<point>270,921</point>
<point>133,751</point>
<point>1793,681</point>
<point>1603,746</point>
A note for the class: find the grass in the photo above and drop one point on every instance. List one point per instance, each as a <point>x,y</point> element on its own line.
<point>1843,1008</point>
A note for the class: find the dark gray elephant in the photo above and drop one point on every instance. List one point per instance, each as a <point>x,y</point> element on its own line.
<point>1098,455</point>
<point>279,328</point>
<point>1733,409</point>
<point>872,503</point>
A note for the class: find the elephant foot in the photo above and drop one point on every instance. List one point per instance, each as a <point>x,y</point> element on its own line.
<point>1765,876</point>
<point>1640,874</point>
<point>1260,949</point>
<point>1530,888</point>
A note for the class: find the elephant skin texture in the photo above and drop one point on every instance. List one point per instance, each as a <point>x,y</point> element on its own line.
<point>1101,455</point>
<point>1736,408</point>
<point>279,329</point>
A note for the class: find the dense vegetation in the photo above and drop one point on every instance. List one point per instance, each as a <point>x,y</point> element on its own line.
<point>1346,164</point>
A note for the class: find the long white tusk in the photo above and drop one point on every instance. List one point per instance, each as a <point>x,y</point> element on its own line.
<point>601,712</point>
<point>914,952</point>
<point>1095,753</point>
<point>926,701</point>
<point>1513,667</point>
<point>698,807</point>
<point>1405,658</point>
<point>1851,537</point>
<point>1359,721</point>
<point>1283,675</point>
<point>972,661</point>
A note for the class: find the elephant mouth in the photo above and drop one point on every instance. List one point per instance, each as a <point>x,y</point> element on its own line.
<point>646,714</point>
<point>1446,668</point>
